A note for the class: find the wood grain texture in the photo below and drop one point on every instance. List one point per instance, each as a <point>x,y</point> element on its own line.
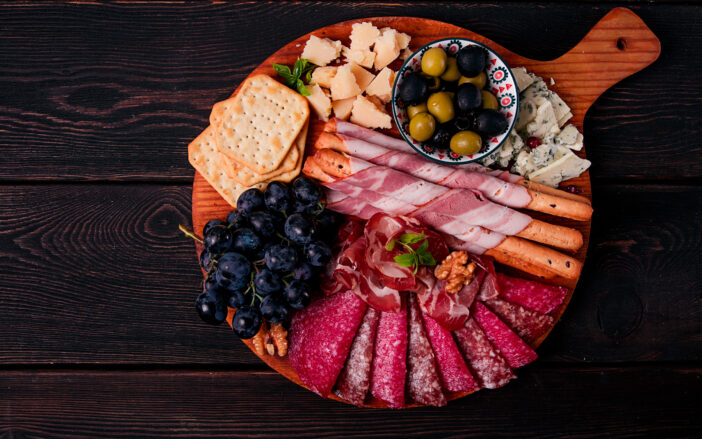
<point>544,402</point>
<point>87,88</point>
<point>99,274</point>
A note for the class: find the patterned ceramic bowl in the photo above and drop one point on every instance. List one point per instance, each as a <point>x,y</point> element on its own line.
<point>500,81</point>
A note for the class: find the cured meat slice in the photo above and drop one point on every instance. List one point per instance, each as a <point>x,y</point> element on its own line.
<point>513,349</point>
<point>489,289</point>
<point>423,382</point>
<point>450,310</point>
<point>530,294</point>
<point>489,366</point>
<point>354,380</point>
<point>528,324</point>
<point>455,376</point>
<point>320,338</point>
<point>390,359</point>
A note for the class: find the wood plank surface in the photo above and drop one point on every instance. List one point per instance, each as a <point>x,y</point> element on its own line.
<point>87,88</point>
<point>544,402</point>
<point>99,274</point>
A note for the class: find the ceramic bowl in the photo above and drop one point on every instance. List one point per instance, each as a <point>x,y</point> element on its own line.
<point>500,81</point>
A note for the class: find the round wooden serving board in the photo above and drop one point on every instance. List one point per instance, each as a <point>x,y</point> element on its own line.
<point>619,45</point>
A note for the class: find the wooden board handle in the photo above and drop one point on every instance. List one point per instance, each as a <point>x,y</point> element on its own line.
<point>619,45</point>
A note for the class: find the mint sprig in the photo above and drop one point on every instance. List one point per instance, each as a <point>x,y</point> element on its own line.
<point>412,258</point>
<point>293,78</point>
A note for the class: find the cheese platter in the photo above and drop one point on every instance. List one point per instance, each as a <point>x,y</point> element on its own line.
<point>533,222</point>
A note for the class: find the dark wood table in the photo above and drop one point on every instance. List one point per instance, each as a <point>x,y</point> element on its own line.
<point>98,335</point>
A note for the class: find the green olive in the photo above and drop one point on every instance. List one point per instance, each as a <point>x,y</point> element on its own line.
<point>434,61</point>
<point>422,126</point>
<point>451,73</point>
<point>413,110</point>
<point>479,81</point>
<point>466,143</point>
<point>489,100</point>
<point>440,105</point>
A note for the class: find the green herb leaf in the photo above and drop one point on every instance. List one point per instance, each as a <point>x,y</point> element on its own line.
<point>283,71</point>
<point>426,259</point>
<point>390,246</point>
<point>406,260</point>
<point>299,67</point>
<point>423,247</point>
<point>301,88</point>
<point>411,238</point>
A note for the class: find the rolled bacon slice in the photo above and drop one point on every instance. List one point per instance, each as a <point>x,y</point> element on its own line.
<point>459,205</point>
<point>358,132</point>
<point>508,250</point>
<point>494,188</point>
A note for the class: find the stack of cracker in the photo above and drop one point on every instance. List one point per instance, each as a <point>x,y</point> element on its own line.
<point>255,137</point>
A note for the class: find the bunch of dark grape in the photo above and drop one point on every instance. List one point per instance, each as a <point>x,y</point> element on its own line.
<point>264,260</point>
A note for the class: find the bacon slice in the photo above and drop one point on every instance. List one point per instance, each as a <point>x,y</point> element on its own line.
<point>513,349</point>
<point>354,380</point>
<point>423,382</point>
<point>528,324</point>
<point>390,359</point>
<point>489,366</point>
<point>531,294</point>
<point>320,339</point>
<point>455,376</point>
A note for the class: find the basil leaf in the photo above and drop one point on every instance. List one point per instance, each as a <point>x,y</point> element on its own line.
<point>411,238</point>
<point>283,71</point>
<point>426,258</point>
<point>406,260</point>
<point>390,246</point>
<point>301,88</point>
<point>308,75</point>
<point>424,247</point>
<point>299,67</point>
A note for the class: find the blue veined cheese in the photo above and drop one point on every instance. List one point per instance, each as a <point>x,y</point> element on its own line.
<point>523,163</point>
<point>570,138</point>
<point>545,121</point>
<point>522,78</point>
<point>527,113</point>
<point>560,108</point>
<point>537,92</point>
<point>506,152</point>
<point>567,166</point>
<point>544,154</point>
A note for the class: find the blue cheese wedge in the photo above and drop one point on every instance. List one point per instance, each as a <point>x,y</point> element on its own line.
<point>560,108</point>
<point>522,78</point>
<point>565,167</point>
<point>545,122</point>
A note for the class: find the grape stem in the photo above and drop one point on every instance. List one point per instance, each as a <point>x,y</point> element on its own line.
<point>190,234</point>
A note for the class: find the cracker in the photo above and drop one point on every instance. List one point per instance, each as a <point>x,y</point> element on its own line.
<point>258,126</point>
<point>207,160</point>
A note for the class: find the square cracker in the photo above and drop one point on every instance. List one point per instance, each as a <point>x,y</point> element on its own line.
<point>258,126</point>
<point>288,170</point>
<point>207,160</point>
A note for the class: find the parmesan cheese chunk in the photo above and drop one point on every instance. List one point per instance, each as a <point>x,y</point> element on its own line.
<point>406,53</point>
<point>363,76</point>
<point>382,85</point>
<point>321,51</point>
<point>367,114</point>
<point>323,76</point>
<point>343,84</point>
<point>342,108</point>
<point>319,101</point>
<point>363,58</point>
<point>363,35</point>
<point>386,49</point>
<point>402,38</point>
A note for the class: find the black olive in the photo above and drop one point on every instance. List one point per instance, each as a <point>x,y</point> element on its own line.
<point>414,89</point>
<point>471,60</point>
<point>463,123</point>
<point>441,137</point>
<point>490,122</point>
<point>450,86</point>
<point>468,97</point>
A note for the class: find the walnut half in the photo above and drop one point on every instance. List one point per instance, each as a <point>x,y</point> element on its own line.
<point>456,270</point>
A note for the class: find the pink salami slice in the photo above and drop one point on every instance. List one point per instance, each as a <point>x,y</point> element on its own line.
<point>530,294</point>
<point>354,380</point>
<point>489,366</point>
<point>513,349</point>
<point>528,324</point>
<point>423,382</point>
<point>455,376</point>
<point>320,338</point>
<point>390,359</point>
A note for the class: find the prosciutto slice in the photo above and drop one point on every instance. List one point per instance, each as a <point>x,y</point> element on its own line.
<point>450,310</point>
<point>494,188</point>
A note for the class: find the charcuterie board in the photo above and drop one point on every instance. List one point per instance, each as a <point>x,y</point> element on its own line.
<point>617,46</point>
